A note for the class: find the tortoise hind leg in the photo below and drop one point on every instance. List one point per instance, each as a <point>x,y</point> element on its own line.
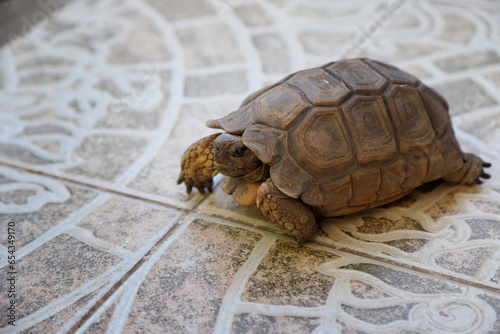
<point>471,171</point>
<point>288,213</point>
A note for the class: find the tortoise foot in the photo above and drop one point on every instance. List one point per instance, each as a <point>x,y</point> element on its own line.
<point>472,172</point>
<point>197,165</point>
<point>288,213</point>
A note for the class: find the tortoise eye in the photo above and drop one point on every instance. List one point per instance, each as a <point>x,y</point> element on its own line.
<point>239,151</point>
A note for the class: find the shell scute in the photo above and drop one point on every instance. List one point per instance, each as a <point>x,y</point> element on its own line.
<point>279,107</point>
<point>321,143</point>
<point>289,177</point>
<point>320,88</point>
<point>417,166</point>
<point>337,194</point>
<point>371,130</point>
<point>394,74</point>
<point>358,76</point>
<point>237,121</point>
<point>436,164</point>
<point>437,109</point>
<point>365,184</point>
<point>265,142</point>
<point>393,176</point>
<point>413,127</point>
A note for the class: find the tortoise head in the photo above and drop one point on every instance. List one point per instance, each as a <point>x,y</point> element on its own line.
<point>233,158</point>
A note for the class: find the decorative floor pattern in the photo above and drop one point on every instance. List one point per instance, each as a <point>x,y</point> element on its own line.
<point>98,103</point>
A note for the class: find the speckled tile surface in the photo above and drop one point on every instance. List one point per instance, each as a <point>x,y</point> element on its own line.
<point>99,101</point>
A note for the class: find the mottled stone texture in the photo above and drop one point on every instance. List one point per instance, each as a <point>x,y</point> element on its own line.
<point>55,322</point>
<point>380,316</point>
<point>184,290</point>
<point>66,264</point>
<point>465,96</point>
<point>448,206</point>
<point>363,290</point>
<point>128,224</point>
<point>288,276</point>
<point>405,281</point>
<point>470,260</point>
<point>216,84</point>
<point>106,157</point>
<point>257,323</point>
<point>31,225</point>
<point>99,100</point>
<point>224,49</point>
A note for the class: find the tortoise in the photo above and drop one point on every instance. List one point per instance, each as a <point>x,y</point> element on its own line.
<point>330,141</point>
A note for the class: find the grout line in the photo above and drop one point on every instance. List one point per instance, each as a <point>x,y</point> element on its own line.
<point>120,315</point>
<point>321,241</point>
<point>229,304</point>
<point>95,187</point>
<point>125,277</point>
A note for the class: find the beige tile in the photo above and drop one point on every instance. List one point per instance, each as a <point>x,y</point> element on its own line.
<point>128,224</point>
<point>184,290</point>
<point>252,15</point>
<point>464,62</point>
<point>485,128</point>
<point>143,44</point>
<point>288,276</point>
<point>182,9</point>
<point>465,96</point>
<point>100,80</point>
<point>60,319</point>
<point>197,43</point>
<point>273,53</point>
<point>57,268</point>
<point>448,206</point>
<point>457,28</point>
<point>258,323</point>
<point>105,158</point>
<point>31,225</point>
<point>102,323</point>
<point>467,261</point>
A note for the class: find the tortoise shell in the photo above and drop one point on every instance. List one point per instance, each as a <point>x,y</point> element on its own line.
<point>349,135</point>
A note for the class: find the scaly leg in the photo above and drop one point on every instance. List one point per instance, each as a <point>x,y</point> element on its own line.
<point>197,165</point>
<point>290,214</point>
<point>471,172</point>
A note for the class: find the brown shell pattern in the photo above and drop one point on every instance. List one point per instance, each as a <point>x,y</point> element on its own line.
<point>352,134</point>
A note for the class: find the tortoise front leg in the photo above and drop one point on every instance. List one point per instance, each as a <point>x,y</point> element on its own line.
<point>197,165</point>
<point>290,214</point>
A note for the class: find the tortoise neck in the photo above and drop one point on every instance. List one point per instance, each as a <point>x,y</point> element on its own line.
<point>259,174</point>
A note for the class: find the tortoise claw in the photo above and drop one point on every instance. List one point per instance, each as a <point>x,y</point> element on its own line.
<point>201,189</point>
<point>197,165</point>
<point>485,175</point>
<point>189,188</point>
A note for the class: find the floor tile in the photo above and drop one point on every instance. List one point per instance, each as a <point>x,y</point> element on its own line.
<point>36,204</point>
<point>99,100</point>
<point>67,264</point>
<point>128,224</point>
<point>187,285</point>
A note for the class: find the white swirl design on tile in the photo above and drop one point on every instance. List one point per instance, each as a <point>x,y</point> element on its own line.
<point>45,190</point>
<point>433,306</point>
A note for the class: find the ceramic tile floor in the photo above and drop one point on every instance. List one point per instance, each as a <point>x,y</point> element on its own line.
<point>99,101</point>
